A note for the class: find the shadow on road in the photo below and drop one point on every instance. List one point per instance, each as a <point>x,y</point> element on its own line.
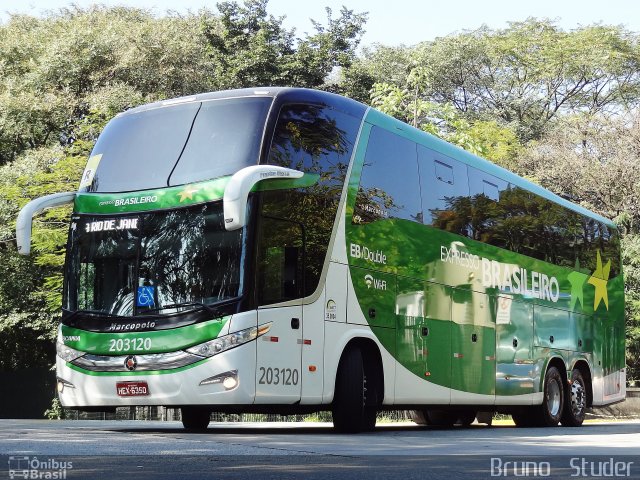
<point>327,429</point>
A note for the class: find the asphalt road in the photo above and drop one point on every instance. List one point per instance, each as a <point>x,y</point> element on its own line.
<point>136,449</point>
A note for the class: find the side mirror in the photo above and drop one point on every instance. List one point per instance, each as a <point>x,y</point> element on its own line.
<point>237,190</point>
<point>23,225</point>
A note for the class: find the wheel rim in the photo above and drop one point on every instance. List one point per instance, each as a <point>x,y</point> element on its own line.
<point>553,398</point>
<point>577,399</point>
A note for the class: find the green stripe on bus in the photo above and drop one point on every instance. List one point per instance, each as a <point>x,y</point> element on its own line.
<point>174,197</point>
<point>157,341</point>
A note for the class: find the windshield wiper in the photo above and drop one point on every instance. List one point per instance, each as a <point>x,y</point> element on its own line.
<point>215,309</point>
<point>75,313</point>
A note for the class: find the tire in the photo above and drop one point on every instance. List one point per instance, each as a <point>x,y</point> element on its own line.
<point>466,418</point>
<point>485,417</point>
<point>441,418</point>
<point>575,405</point>
<point>350,411</point>
<point>549,413</point>
<point>523,419</point>
<point>195,418</point>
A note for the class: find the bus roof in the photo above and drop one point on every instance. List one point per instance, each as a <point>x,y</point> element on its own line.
<point>282,93</point>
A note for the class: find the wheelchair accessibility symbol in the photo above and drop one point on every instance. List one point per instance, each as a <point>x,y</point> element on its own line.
<point>146,297</point>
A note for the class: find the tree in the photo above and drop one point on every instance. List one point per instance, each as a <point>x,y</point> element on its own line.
<point>523,76</point>
<point>532,71</point>
<point>592,161</point>
<point>486,138</point>
<point>251,48</point>
<point>63,76</point>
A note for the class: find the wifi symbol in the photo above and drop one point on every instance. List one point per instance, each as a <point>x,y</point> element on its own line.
<point>368,279</point>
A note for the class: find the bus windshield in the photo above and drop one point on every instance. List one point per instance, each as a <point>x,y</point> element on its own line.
<point>160,263</point>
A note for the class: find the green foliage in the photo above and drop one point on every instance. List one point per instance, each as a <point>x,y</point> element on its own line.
<point>63,76</point>
<point>523,77</point>
<point>56,411</point>
<point>486,138</point>
<point>248,47</point>
<point>631,262</point>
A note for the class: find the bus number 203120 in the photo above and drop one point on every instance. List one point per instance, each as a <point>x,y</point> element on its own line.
<point>278,376</point>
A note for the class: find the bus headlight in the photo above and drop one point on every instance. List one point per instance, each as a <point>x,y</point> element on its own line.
<point>66,353</point>
<point>227,342</point>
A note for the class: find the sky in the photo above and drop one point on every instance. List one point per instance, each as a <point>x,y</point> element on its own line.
<point>393,23</point>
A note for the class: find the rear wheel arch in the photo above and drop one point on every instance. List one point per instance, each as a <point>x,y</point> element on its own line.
<point>560,364</point>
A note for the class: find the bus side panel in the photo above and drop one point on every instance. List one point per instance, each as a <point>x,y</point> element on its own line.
<point>515,369</point>
<point>313,350</point>
<point>423,335</point>
<point>472,346</point>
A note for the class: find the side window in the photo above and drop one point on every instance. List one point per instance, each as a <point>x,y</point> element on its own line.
<point>296,223</point>
<point>595,237</point>
<point>389,185</point>
<point>280,261</point>
<point>526,223</point>
<point>490,210</point>
<point>611,249</point>
<point>444,172</point>
<point>445,187</point>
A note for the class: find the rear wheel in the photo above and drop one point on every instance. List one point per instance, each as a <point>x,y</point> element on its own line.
<point>547,414</point>
<point>550,412</point>
<point>523,419</point>
<point>195,418</point>
<point>485,417</point>
<point>576,402</point>
<point>466,417</point>
<point>440,418</point>
<point>352,412</point>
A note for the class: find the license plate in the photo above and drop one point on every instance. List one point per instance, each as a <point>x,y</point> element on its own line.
<point>132,389</point>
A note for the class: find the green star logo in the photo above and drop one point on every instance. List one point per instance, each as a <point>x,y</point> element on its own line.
<point>599,279</point>
<point>577,281</point>
<point>187,193</point>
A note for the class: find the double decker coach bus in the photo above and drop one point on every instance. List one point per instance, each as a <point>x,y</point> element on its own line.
<point>287,250</point>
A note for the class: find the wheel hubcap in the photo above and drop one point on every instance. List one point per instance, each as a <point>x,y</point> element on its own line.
<point>553,398</point>
<point>577,399</point>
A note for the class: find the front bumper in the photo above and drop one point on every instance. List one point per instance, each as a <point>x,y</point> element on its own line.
<point>166,387</point>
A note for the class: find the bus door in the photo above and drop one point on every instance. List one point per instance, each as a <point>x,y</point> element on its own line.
<point>280,289</point>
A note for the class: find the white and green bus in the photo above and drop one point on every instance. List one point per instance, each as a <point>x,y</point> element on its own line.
<point>282,250</point>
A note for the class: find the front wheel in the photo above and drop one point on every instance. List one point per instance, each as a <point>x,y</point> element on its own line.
<point>576,404</point>
<point>195,418</point>
<point>351,412</point>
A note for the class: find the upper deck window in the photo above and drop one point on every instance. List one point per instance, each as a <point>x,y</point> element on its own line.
<point>225,138</point>
<point>179,144</point>
<point>389,183</point>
